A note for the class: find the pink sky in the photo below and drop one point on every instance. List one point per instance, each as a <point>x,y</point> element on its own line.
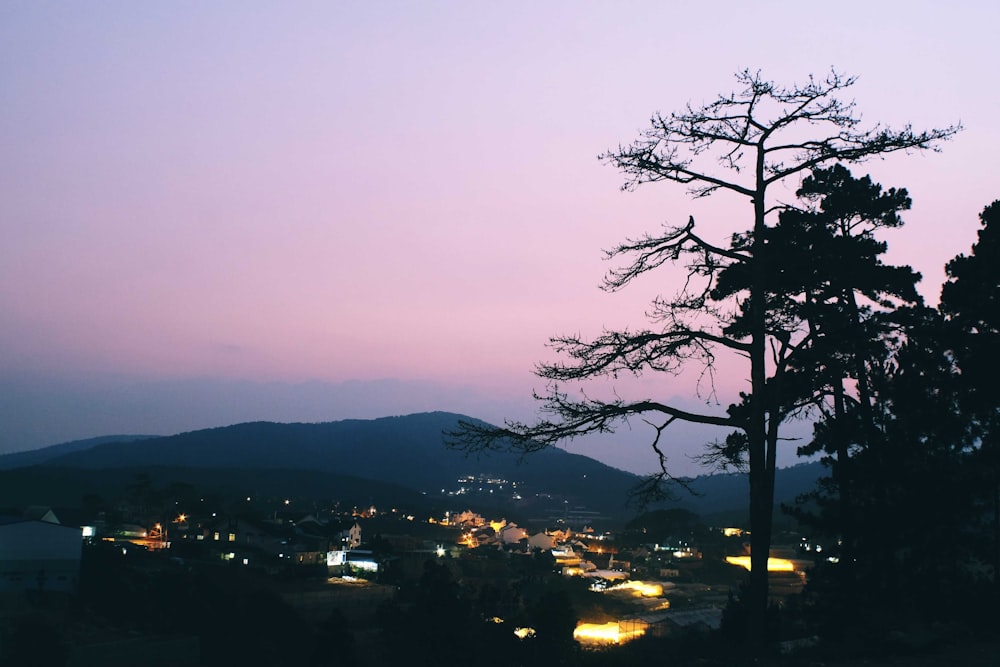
<point>264,196</point>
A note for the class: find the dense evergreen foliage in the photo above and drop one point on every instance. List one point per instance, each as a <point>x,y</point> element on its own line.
<point>910,507</point>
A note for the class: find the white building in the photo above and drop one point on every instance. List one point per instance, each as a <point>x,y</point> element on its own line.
<point>38,555</point>
<point>511,533</point>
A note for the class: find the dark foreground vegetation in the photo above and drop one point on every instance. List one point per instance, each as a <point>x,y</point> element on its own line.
<point>155,609</point>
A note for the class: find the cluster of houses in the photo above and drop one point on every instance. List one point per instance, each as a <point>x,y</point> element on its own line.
<point>36,547</point>
<point>267,543</point>
<point>592,556</point>
<point>39,553</point>
<point>578,553</point>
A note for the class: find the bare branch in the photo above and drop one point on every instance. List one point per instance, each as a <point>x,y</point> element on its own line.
<point>856,147</point>
<point>654,251</point>
<point>622,351</point>
<point>672,148</point>
<point>575,419</point>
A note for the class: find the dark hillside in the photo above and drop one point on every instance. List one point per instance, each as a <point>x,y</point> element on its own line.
<point>402,452</point>
<point>66,487</point>
<point>408,451</point>
<point>36,456</point>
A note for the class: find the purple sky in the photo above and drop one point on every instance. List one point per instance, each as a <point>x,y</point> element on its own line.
<point>217,212</point>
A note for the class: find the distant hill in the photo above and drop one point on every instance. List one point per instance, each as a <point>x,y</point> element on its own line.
<point>66,487</point>
<point>35,456</point>
<point>392,453</point>
<point>408,451</point>
<point>728,494</point>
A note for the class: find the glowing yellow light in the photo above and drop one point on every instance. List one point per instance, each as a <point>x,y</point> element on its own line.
<point>524,633</point>
<point>567,560</point>
<point>606,633</point>
<point>641,588</point>
<point>773,564</point>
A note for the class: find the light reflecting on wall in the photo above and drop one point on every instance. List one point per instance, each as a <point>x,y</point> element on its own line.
<point>773,564</point>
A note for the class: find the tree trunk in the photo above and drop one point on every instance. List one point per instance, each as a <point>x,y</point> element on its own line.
<point>995,479</point>
<point>761,487</point>
<point>842,475</point>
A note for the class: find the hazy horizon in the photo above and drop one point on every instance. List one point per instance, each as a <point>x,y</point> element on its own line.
<point>92,408</point>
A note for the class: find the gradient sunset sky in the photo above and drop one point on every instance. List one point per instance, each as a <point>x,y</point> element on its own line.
<point>232,211</point>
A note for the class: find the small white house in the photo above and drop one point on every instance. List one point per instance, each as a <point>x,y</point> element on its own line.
<point>541,541</point>
<point>352,537</point>
<point>511,533</point>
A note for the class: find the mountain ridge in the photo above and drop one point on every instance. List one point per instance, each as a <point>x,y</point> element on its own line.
<point>403,450</point>
<point>34,456</point>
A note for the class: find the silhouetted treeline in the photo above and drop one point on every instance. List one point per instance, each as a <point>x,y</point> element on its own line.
<point>910,512</point>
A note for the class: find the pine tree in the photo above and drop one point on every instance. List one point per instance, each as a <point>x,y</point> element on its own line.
<point>744,143</point>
